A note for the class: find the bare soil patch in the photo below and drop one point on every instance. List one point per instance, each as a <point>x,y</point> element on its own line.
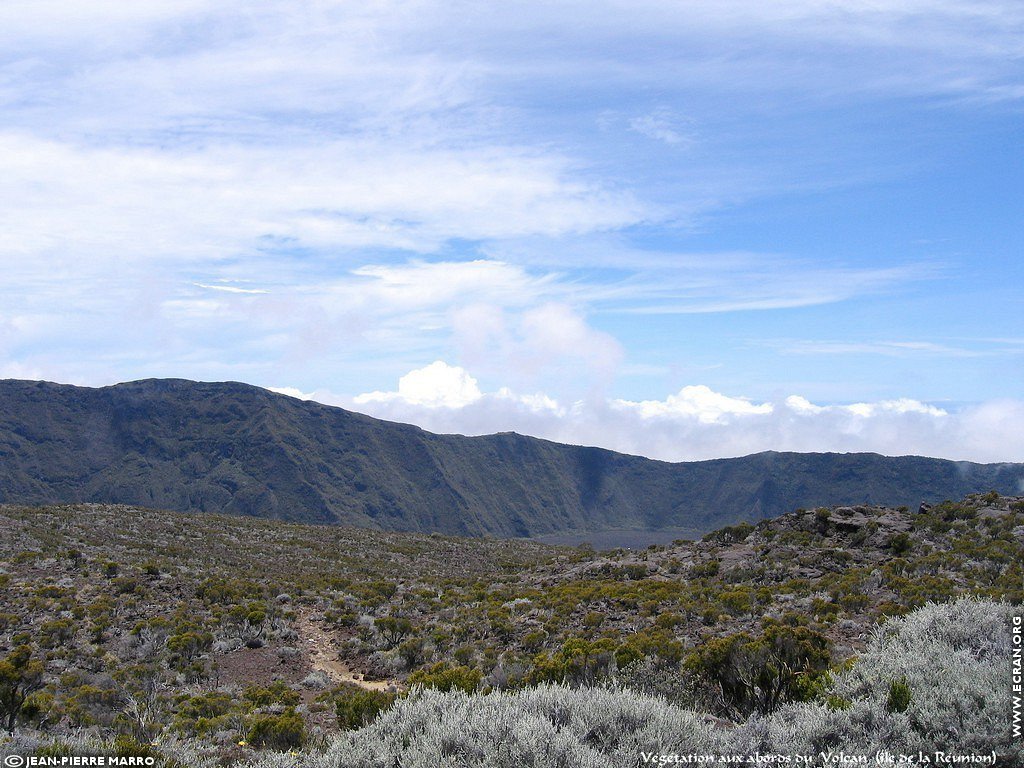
<point>322,649</point>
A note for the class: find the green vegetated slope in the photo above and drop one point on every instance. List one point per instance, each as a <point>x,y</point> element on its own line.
<point>219,639</point>
<point>239,449</point>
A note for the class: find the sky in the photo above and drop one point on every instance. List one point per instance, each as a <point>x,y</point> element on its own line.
<point>680,229</point>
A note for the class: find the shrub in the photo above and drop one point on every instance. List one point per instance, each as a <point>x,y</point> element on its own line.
<point>899,543</point>
<point>278,692</point>
<point>126,746</point>
<point>56,632</point>
<point>412,651</point>
<point>203,713</point>
<point>577,661</point>
<point>87,705</point>
<point>760,674</point>
<point>393,629</point>
<point>357,707</point>
<point>534,641</point>
<point>952,658</point>
<point>943,664</point>
<point>669,621</point>
<point>39,709</point>
<point>281,732</point>
<point>730,533</point>
<point>545,726</point>
<point>705,570</point>
<point>736,601</point>
<point>899,696</point>
<point>446,677</point>
<point>187,645</point>
<point>20,676</point>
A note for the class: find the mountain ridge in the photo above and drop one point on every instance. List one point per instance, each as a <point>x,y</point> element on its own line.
<point>237,448</point>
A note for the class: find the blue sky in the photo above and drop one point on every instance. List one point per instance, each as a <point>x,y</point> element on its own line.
<point>681,229</point>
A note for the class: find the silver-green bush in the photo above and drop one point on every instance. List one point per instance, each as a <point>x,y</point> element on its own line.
<point>954,658</point>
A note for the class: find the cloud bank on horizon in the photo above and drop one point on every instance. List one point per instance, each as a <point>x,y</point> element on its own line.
<point>695,423</point>
<point>680,230</point>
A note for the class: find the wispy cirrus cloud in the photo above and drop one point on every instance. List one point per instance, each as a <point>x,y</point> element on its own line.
<point>661,125</point>
<point>730,283</point>
<point>770,284</point>
<point>210,203</point>
<point>231,289</point>
<point>978,348</point>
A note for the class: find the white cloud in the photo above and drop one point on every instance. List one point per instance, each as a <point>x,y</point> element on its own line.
<point>206,204</point>
<point>661,126</point>
<point>419,284</point>
<point>802,406</point>
<point>697,401</point>
<point>902,405</point>
<point>556,333</point>
<point>992,429</point>
<point>230,288</point>
<point>758,282</point>
<point>545,341</point>
<point>294,392</point>
<point>886,348</point>
<point>699,423</point>
<point>437,385</point>
<point>536,403</point>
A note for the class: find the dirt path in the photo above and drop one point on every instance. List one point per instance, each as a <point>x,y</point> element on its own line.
<point>324,657</point>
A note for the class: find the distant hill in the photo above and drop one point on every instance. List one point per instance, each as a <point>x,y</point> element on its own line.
<point>239,449</point>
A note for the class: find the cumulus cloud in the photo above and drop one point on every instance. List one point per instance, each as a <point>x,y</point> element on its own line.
<point>696,401</point>
<point>438,385</point>
<point>445,390</point>
<point>801,405</point>
<point>298,394</point>
<point>699,423</point>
